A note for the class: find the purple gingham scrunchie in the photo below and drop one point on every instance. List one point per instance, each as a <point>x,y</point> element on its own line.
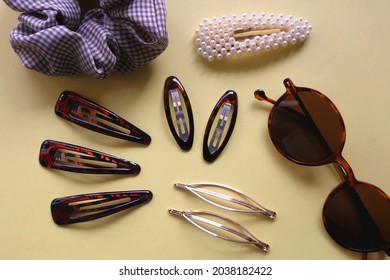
<point>121,35</point>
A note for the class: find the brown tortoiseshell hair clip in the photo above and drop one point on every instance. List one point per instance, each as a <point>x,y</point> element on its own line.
<point>86,207</point>
<point>93,116</point>
<point>179,117</point>
<point>69,157</point>
<point>223,116</point>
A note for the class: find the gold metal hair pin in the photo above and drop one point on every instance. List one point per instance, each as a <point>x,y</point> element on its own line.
<point>243,204</point>
<point>232,231</point>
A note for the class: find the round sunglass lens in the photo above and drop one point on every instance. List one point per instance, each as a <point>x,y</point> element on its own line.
<point>357,217</point>
<point>306,127</point>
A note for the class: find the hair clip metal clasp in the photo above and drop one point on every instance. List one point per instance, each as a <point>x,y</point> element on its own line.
<point>93,116</point>
<point>73,158</point>
<point>86,207</point>
<point>234,231</point>
<point>244,204</point>
<point>220,125</point>
<point>179,117</point>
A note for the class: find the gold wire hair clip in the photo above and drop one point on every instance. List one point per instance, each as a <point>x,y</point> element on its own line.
<point>232,231</point>
<point>244,204</point>
<point>246,34</point>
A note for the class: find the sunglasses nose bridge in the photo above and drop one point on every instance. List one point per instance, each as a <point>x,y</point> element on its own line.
<point>346,171</point>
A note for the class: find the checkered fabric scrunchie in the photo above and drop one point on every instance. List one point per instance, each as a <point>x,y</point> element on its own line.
<point>121,35</point>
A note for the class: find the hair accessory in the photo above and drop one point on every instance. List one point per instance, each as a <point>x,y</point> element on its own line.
<point>241,234</point>
<point>68,157</point>
<point>182,128</point>
<point>93,116</point>
<point>248,205</point>
<point>86,207</point>
<point>54,38</point>
<point>225,113</point>
<point>246,34</point>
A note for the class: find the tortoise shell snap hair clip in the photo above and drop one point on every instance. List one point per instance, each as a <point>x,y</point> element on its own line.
<point>235,232</point>
<point>86,207</point>
<point>93,116</point>
<point>254,33</point>
<point>73,158</point>
<point>244,204</point>
<point>179,117</point>
<point>223,116</point>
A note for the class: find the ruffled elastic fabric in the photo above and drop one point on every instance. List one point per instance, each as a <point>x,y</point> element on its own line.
<point>121,35</point>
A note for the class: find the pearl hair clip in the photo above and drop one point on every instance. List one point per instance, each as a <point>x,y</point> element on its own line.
<point>246,34</point>
<point>245,205</point>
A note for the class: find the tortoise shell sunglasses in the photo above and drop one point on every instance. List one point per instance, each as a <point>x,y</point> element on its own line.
<point>307,128</point>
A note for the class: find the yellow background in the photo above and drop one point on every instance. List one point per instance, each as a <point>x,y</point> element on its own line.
<point>346,57</point>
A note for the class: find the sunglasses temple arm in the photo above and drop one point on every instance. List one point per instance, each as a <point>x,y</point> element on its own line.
<point>261,96</point>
